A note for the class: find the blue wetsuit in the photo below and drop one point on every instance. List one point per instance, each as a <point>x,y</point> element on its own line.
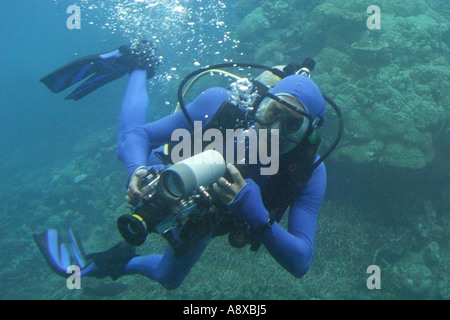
<point>292,248</point>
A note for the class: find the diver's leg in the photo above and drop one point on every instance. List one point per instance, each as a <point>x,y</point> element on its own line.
<point>167,269</point>
<point>135,102</point>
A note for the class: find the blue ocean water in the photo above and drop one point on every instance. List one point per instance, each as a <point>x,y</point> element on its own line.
<point>41,132</point>
<point>58,167</point>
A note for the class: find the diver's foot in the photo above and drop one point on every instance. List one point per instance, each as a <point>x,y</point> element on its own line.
<point>141,55</point>
<point>112,262</point>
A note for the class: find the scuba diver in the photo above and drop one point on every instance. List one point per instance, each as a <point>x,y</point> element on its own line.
<point>241,202</point>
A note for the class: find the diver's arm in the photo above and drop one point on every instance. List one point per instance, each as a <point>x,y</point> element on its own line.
<point>291,248</point>
<point>135,147</point>
<point>136,144</point>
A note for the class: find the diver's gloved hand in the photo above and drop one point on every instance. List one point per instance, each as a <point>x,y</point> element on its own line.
<point>228,189</point>
<point>248,205</point>
<point>242,197</point>
<point>141,55</point>
<point>134,194</point>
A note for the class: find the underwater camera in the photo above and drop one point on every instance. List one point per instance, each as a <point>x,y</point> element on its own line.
<point>171,196</point>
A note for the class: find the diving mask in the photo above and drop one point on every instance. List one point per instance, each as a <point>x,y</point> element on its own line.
<point>284,112</point>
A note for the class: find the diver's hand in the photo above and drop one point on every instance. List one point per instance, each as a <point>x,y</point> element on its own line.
<point>227,190</point>
<point>133,192</point>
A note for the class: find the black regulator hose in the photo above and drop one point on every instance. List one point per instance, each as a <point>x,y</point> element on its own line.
<point>340,132</point>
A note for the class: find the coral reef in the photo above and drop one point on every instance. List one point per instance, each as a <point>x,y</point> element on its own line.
<point>254,23</point>
<point>392,83</point>
<point>414,278</point>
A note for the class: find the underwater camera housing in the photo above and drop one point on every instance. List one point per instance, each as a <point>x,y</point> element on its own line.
<point>171,196</point>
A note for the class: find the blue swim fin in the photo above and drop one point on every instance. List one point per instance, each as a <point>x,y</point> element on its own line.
<point>111,262</point>
<point>57,254</point>
<point>101,69</point>
<point>98,71</point>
